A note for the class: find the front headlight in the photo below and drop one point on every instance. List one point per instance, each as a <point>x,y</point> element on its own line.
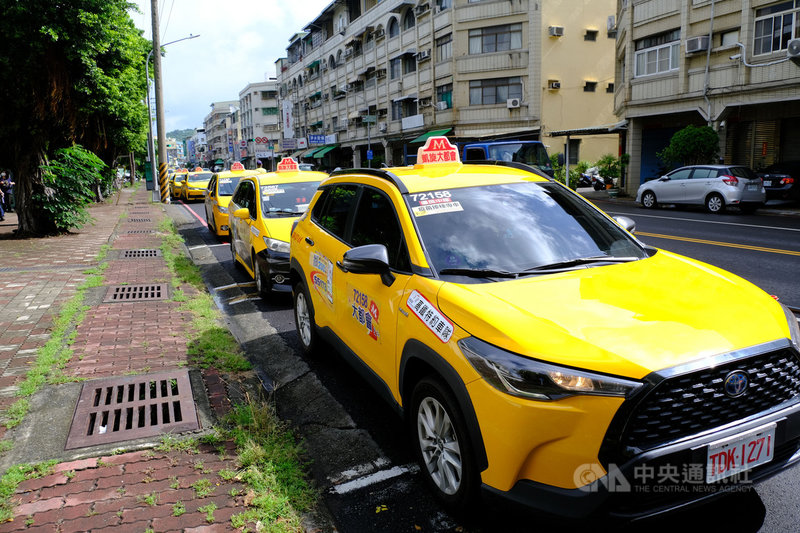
<point>223,210</point>
<point>274,245</point>
<point>527,378</point>
<point>794,327</point>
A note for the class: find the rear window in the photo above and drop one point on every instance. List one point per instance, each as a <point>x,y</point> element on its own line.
<point>743,172</point>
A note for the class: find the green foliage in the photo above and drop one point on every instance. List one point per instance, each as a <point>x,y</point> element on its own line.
<point>575,171</point>
<point>612,167</point>
<point>693,145</point>
<point>12,478</point>
<point>69,181</point>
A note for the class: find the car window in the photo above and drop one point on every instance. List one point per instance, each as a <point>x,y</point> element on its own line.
<point>286,199</point>
<point>338,203</point>
<point>513,227</point>
<point>680,174</point>
<point>228,185</point>
<point>742,172</point>
<point>245,197</point>
<point>376,223</point>
<point>704,173</point>
<point>212,184</point>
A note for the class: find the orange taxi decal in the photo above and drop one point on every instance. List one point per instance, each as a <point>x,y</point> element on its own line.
<point>288,164</point>
<point>438,150</point>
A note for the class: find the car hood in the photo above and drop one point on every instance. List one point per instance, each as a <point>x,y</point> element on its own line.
<point>280,228</point>
<point>203,184</point>
<point>627,319</point>
<point>224,200</point>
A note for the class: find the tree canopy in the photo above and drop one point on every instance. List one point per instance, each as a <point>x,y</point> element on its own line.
<point>693,145</point>
<point>70,72</point>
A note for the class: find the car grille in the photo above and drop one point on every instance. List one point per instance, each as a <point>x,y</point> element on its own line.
<point>688,404</point>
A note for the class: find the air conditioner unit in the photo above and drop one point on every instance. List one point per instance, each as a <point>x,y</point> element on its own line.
<point>424,55</point>
<point>422,8</point>
<point>424,102</point>
<point>554,84</point>
<point>381,73</point>
<point>793,49</point>
<point>382,127</point>
<point>380,33</point>
<point>512,103</point>
<point>556,31</point>
<point>441,106</point>
<point>697,44</point>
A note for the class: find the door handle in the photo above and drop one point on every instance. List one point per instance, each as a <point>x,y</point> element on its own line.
<point>309,241</point>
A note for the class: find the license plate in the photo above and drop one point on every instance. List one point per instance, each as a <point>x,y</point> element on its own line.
<point>767,183</point>
<point>752,187</point>
<point>740,453</point>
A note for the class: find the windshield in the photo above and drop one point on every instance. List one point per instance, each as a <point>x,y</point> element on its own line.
<point>287,199</point>
<point>532,154</point>
<point>200,176</point>
<point>227,185</point>
<point>515,228</point>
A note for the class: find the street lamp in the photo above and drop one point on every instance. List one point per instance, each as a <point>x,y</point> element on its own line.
<point>150,140</point>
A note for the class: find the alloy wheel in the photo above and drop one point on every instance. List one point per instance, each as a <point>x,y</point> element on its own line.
<point>438,442</point>
<point>303,318</point>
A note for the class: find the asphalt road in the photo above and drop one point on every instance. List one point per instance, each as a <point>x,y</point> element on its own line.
<point>390,496</point>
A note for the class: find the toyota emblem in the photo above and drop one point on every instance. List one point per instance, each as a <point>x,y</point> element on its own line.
<point>736,383</point>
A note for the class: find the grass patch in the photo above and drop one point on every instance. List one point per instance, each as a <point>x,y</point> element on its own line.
<point>209,510</point>
<point>178,508</point>
<point>170,443</point>
<point>11,480</point>
<point>203,488</point>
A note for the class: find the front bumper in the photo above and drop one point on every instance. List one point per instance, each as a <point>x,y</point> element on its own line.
<point>621,493</point>
<point>195,194</point>
<point>275,265</point>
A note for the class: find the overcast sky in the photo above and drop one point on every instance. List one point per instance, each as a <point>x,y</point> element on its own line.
<point>239,42</point>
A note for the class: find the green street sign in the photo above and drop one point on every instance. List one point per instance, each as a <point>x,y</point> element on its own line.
<point>369,119</point>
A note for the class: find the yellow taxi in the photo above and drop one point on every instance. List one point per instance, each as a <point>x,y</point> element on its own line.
<point>262,211</point>
<point>537,349</point>
<point>176,182</point>
<point>218,195</point>
<point>195,185</point>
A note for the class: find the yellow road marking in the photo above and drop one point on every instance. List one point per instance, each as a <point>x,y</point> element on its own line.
<point>719,243</point>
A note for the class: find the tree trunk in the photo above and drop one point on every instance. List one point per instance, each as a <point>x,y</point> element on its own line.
<point>28,176</point>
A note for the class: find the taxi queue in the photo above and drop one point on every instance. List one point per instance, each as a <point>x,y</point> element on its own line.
<point>525,336</point>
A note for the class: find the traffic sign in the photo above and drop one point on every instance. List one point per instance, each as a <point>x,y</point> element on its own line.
<point>369,119</point>
<point>243,143</point>
<point>369,155</point>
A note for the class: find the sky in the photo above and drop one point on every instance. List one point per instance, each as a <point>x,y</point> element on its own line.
<point>239,42</point>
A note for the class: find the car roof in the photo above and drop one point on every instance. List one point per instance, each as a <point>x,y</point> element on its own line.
<point>290,177</point>
<point>418,178</point>
<point>236,173</point>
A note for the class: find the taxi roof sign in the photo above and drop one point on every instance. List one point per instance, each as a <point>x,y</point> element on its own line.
<point>198,169</point>
<point>437,150</point>
<point>287,164</point>
<point>237,166</point>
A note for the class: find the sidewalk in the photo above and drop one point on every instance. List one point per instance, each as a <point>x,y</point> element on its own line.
<point>94,486</point>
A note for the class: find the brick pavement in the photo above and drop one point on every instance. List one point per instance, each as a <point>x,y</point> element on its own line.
<point>132,491</point>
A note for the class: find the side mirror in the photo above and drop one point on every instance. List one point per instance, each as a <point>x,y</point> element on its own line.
<point>368,259</point>
<point>242,213</point>
<point>663,178</point>
<point>627,223</point>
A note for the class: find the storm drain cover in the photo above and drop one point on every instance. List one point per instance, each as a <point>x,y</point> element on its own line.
<point>135,293</point>
<point>140,254</point>
<point>132,407</point>
<point>140,220</point>
<point>141,231</point>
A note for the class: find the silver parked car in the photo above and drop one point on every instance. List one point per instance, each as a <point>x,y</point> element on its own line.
<point>714,186</point>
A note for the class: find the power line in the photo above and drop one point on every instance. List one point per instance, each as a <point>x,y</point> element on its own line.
<point>169,16</point>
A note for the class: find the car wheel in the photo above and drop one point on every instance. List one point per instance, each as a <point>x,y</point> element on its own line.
<point>263,285</point>
<point>210,224</point>
<point>304,319</point>
<point>649,200</point>
<point>236,263</point>
<point>441,445</point>
<point>715,203</point>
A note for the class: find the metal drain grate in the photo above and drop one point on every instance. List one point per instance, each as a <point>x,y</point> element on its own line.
<point>132,407</point>
<point>141,231</point>
<point>139,220</point>
<point>130,293</point>
<point>140,254</point>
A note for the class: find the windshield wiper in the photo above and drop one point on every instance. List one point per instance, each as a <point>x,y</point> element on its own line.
<point>479,272</point>
<point>290,212</point>
<point>582,261</point>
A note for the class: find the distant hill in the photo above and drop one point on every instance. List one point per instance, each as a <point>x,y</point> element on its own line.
<point>180,135</point>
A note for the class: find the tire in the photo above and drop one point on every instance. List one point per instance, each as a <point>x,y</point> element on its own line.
<point>437,426</point>
<point>263,285</point>
<point>715,203</point>
<point>599,185</point>
<point>210,225</point>
<point>236,263</point>
<point>304,319</point>
<point>649,200</point>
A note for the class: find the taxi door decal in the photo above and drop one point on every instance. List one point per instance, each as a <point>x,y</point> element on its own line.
<point>322,276</point>
<point>430,316</point>
<point>364,311</point>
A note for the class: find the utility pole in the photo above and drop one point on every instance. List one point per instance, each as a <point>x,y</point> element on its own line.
<point>162,141</point>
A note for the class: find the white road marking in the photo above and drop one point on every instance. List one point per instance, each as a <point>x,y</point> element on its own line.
<point>232,285</point>
<point>637,215</point>
<point>371,479</point>
<point>244,298</point>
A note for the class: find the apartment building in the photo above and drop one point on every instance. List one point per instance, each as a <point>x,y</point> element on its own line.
<point>368,77</point>
<point>731,64</point>
<point>197,148</point>
<point>259,121</point>
<point>216,125</point>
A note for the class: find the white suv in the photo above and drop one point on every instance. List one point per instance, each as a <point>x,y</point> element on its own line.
<point>714,186</point>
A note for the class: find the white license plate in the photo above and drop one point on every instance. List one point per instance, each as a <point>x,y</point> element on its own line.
<point>740,453</point>
<point>767,183</point>
<point>752,187</point>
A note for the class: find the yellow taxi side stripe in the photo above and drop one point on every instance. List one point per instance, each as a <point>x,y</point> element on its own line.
<point>719,243</point>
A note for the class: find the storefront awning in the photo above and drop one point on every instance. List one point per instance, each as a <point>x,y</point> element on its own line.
<point>324,150</point>
<point>410,51</point>
<point>309,152</point>
<point>312,64</point>
<point>593,130</point>
<point>412,96</point>
<point>434,133</point>
<point>297,154</point>
<point>353,115</point>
